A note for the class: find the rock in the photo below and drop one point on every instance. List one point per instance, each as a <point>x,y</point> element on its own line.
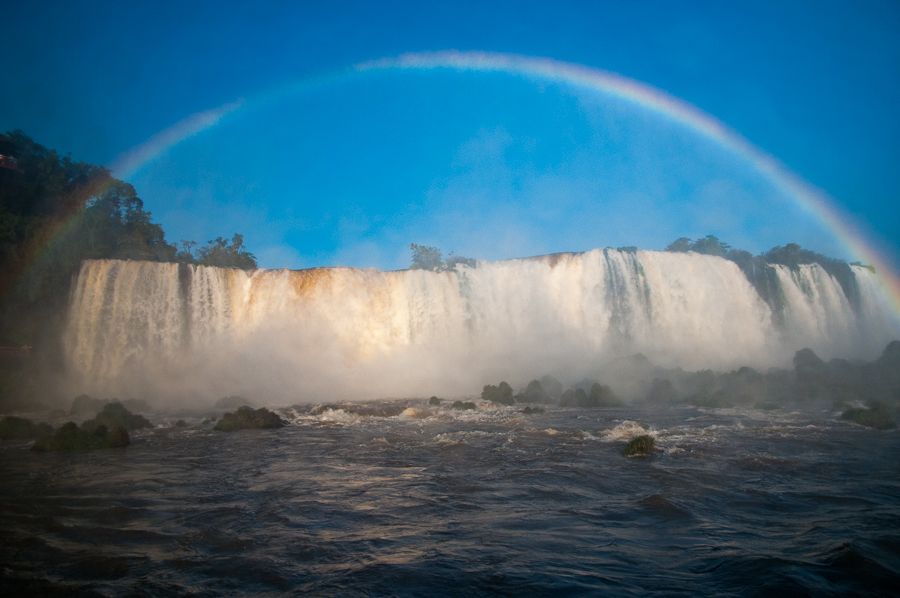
<point>463,406</point>
<point>532,410</point>
<point>71,438</point>
<point>877,417</point>
<point>534,393</point>
<point>180,424</point>
<point>574,397</point>
<point>640,445</point>
<point>501,393</point>
<point>810,369</point>
<point>603,396</point>
<point>19,428</point>
<point>85,404</point>
<point>552,386</point>
<point>246,418</point>
<point>115,414</point>
<point>434,401</point>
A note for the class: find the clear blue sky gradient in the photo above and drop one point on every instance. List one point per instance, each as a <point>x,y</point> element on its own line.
<point>487,165</point>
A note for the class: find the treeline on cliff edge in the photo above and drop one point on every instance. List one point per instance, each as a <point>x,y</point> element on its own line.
<point>56,212</point>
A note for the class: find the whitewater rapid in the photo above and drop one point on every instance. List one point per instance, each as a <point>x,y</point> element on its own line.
<point>162,329</point>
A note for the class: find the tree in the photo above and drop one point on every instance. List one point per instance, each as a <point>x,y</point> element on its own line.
<point>710,245</point>
<point>219,253</point>
<point>502,393</point>
<point>425,258</point>
<point>681,245</point>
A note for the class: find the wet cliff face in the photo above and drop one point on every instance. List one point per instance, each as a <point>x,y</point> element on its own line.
<point>141,327</point>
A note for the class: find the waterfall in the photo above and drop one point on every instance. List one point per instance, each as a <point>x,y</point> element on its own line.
<point>180,331</point>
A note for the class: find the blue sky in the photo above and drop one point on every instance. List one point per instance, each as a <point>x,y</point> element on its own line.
<point>486,165</point>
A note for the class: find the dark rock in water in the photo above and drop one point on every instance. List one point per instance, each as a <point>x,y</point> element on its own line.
<point>434,401</point>
<point>20,428</point>
<point>502,393</point>
<point>640,445</point>
<point>574,397</point>
<point>463,406</point>
<point>600,396</point>
<point>232,402</point>
<point>809,367</point>
<point>246,417</point>
<point>86,404</point>
<point>71,438</point>
<point>534,393</point>
<point>552,387</point>
<point>603,396</point>
<point>891,353</point>
<point>532,410</point>
<point>877,417</point>
<point>115,414</point>
<point>180,424</point>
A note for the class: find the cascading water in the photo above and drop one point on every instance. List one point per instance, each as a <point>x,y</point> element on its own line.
<point>168,330</point>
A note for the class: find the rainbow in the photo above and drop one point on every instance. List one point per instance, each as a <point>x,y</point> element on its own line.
<point>815,202</point>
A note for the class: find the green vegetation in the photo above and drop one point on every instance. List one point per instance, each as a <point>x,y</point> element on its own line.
<point>877,417</point>
<point>220,253</point>
<point>603,396</point>
<point>180,424</point>
<point>71,438</point>
<point>761,276</point>
<point>54,213</point>
<point>115,414</point>
<point>20,428</point>
<point>463,406</point>
<point>534,393</point>
<point>434,401</point>
<point>246,417</point>
<point>431,258</point>
<point>533,410</point>
<point>501,393</point>
<point>599,396</point>
<point>640,445</point>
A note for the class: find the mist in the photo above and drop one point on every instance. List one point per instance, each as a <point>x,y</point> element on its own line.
<point>187,335</point>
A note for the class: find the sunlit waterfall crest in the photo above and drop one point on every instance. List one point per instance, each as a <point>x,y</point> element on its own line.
<point>173,330</point>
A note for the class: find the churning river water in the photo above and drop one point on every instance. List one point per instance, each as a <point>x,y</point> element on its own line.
<point>362,501</point>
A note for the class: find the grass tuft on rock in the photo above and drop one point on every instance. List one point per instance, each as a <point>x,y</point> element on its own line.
<point>640,445</point>
<point>248,418</point>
